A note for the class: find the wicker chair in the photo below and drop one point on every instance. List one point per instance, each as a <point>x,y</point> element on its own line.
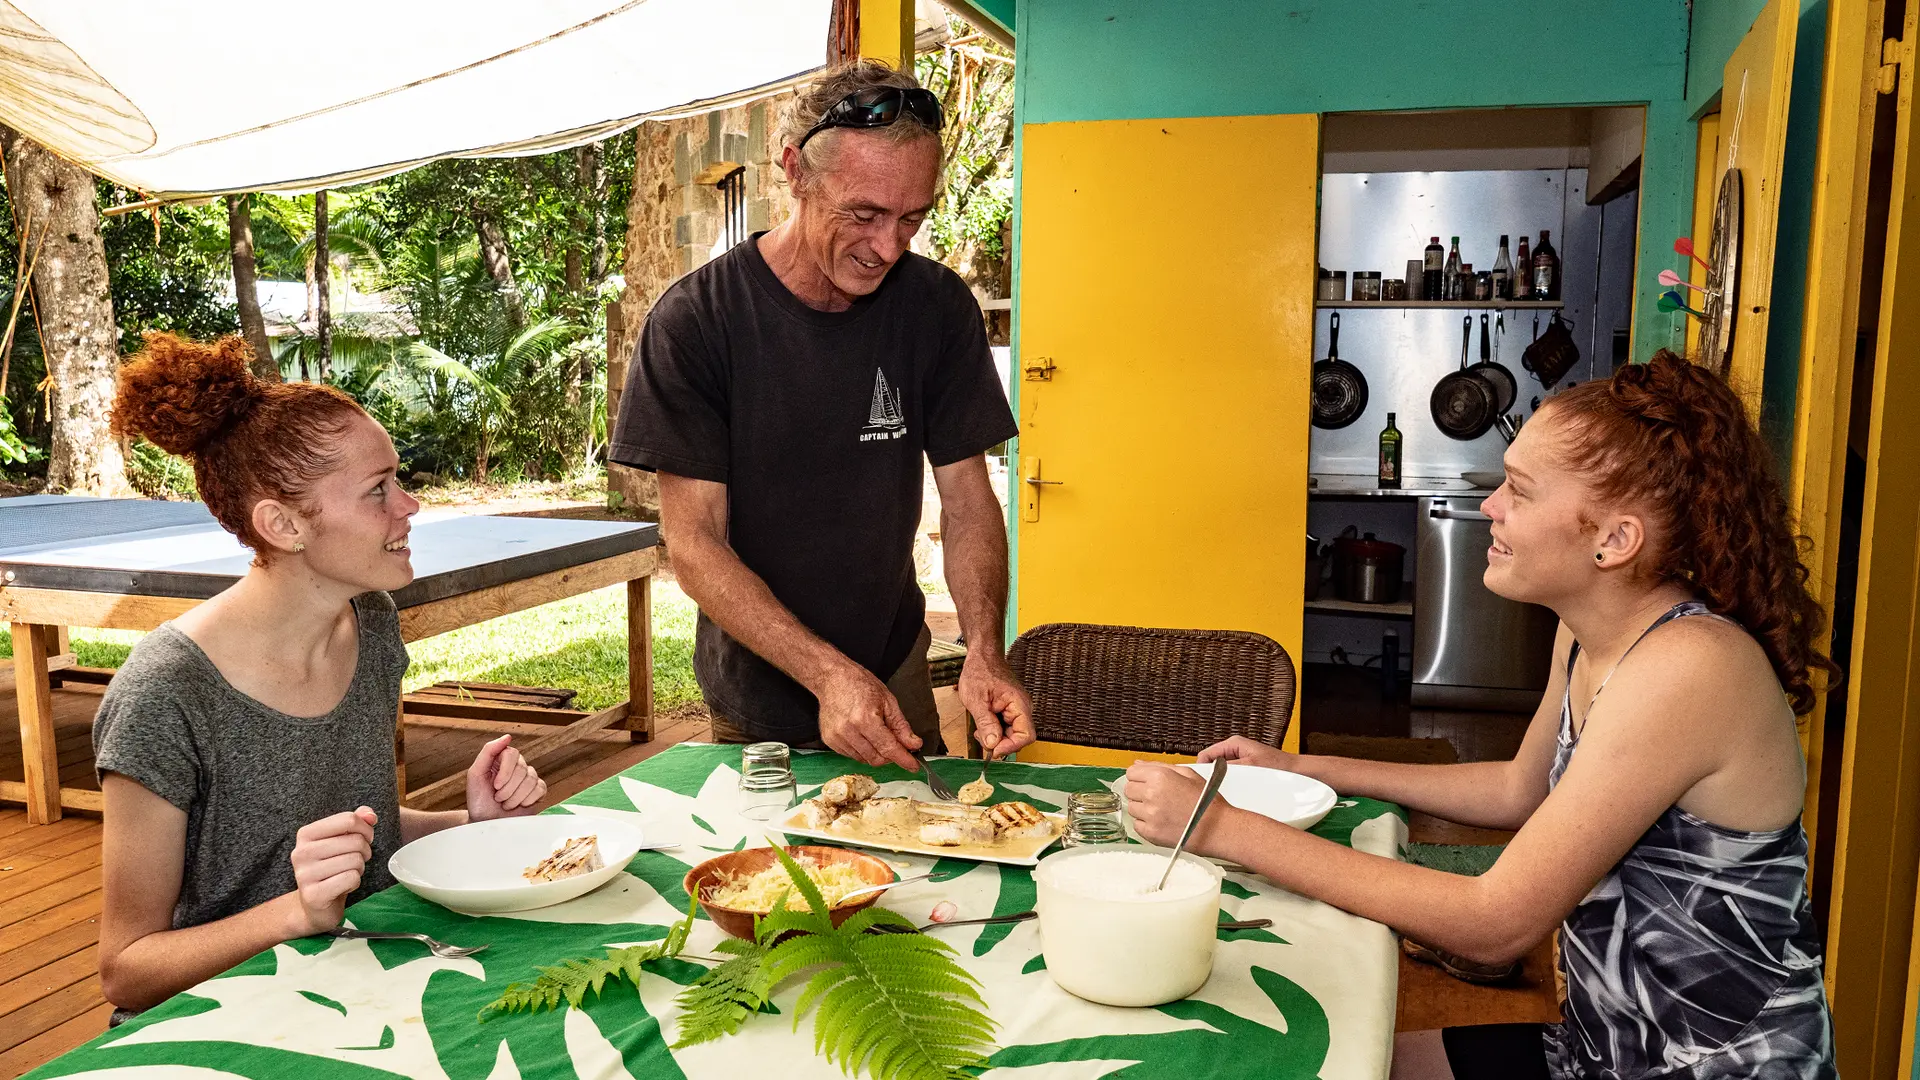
<point>1154,691</point>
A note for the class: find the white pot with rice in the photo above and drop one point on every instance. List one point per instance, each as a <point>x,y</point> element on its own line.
<point>1111,937</point>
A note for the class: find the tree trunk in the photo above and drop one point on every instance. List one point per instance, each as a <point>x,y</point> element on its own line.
<point>73,305</point>
<point>493,256</point>
<point>245,289</point>
<point>597,185</point>
<point>323,288</point>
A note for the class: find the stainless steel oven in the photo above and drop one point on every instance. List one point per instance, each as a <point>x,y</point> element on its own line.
<point>1471,648</point>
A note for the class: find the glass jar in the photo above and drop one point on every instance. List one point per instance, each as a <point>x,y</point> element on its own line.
<point>766,779</point>
<point>1393,289</point>
<point>1366,285</point>
<point>1093,817</point>
<point>1332,285</point>
<point>1483,285</point>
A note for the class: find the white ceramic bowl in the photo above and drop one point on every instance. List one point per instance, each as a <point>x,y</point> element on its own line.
<point>1488,480</point>
<point>1109,940</point>
<point>476,869</point>
<point>1299,801</point>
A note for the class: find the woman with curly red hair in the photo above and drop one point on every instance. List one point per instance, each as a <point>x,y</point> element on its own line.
<point>1657,795</point>
<point>245,749</point>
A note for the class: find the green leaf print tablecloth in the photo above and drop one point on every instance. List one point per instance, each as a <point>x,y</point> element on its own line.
<point>1313,996</point>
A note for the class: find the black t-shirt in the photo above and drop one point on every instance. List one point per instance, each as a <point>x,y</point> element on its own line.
<point>817,422</point>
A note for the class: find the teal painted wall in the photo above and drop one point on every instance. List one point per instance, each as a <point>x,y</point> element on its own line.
<point>1000,11</point>
<point>1134,59</point>
<point>1718,26</point>
<point>1780,382</point>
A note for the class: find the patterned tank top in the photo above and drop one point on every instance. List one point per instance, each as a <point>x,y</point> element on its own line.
<point>1696,957</point>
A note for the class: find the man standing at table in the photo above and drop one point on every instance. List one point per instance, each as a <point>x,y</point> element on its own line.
<point>786,393</point>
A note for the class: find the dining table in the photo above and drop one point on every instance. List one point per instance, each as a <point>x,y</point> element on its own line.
<point>1312,995</point>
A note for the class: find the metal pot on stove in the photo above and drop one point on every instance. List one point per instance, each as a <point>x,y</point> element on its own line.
<point>1367,570</point>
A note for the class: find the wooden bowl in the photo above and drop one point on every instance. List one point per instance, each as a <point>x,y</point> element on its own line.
<point>705,877</point>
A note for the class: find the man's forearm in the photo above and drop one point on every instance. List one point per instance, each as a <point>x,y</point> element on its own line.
<point>415,824</point>
<point>975,538</point>
<point>739,601</point>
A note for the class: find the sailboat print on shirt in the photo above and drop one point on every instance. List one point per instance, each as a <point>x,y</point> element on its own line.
<point>884,418</point>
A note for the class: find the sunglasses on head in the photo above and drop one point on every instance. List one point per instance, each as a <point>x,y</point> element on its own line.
<point>877,107</point>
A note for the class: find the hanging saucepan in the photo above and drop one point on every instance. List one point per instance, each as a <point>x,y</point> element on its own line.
<point>1339,390</point>
<point>1505,387</point>
<point>1463,403</point>
<point>1552,354</point>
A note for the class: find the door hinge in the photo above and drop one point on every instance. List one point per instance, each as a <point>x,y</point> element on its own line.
<point>1039,369</point>
<point>1893,53</point>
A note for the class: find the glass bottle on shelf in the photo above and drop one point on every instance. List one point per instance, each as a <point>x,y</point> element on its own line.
<point>1452,272</point>
<point>1430,283</point>
<point>1502,272</point>
<point>1390,455</point>
<point>1546,270</point>
<point>1522,281</point>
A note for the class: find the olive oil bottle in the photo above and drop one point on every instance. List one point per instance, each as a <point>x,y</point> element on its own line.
<point>1390,455</point>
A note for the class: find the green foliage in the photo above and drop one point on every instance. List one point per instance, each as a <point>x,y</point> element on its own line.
<point>898,1006</point>
<point>974,78</point>
<point>573,980</point>
<point>159,475</point>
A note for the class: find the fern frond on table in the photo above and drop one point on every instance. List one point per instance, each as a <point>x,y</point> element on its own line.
<point>898,1006</point>
<point>573,980</point>
<point>724,997</point>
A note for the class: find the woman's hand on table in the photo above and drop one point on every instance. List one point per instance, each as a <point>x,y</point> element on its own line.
<point>1160,798</point>
<point>1241,750</point>
<point>500,783</point>
<point>1001,710</point>
<point>860,719</point>
<point>329,858</point>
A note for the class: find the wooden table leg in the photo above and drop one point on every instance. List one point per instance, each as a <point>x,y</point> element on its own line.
<point>39,757</point>
<point>639,723</point>
<point>62,645</point>
<point>400,749</point>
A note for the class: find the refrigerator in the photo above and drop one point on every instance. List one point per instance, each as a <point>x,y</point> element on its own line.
<point>1471,648</point>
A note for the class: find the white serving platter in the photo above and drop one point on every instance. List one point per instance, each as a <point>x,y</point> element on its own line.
<point>477,869</point>
<point>1286,797</point>
<point>1008,853</point>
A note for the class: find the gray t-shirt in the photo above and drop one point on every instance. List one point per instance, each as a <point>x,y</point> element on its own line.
<point>249,776</point>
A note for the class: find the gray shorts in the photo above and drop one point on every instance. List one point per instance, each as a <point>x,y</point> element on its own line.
<point>911,685</point>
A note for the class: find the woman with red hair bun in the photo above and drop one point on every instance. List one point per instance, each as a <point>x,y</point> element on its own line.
<point>1657,795</point>
<point>245,749</point>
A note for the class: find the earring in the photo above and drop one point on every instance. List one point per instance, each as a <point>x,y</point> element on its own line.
<point>1598,556</point>
<point>299,546</point>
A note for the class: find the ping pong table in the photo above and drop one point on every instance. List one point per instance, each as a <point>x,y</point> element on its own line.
<point>132,564</point>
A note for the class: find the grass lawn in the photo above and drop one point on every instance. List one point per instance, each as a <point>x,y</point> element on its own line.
<point>580,644</point>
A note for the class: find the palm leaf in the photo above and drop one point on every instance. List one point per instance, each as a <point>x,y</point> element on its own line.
<point>427,358</point>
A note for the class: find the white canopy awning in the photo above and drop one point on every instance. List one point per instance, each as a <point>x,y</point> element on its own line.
<point>180,98</point>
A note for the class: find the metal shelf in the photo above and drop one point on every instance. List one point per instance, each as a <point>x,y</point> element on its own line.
<point>1468,305</point>
<point>1401,610</point>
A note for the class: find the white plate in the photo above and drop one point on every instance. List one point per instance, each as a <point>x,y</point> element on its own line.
<point>1010,853</point>
<point>476,869</point>
<point>1296,800</point>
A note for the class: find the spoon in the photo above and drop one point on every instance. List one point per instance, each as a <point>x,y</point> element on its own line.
<point>1218,776</point>
<point>1023,916</point>
<point>882,888</point>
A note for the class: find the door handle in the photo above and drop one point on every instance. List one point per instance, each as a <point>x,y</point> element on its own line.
<point>1444,514</point>
<point>1030,496</point>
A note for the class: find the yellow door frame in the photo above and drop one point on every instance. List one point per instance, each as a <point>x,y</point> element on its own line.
<point>1877,830</point>
<point>1836,245</point>
<point>886,32</point>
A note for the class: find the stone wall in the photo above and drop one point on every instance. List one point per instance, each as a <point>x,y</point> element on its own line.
<point>675,224</point>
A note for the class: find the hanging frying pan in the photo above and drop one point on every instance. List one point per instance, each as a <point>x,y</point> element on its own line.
<point>1339,390</point>
<point>1463,403</point>
<point>1505,387</point>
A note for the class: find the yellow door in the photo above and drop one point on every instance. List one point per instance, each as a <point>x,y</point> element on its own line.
<point>1871,919</point>
<point>1166,272</point>
<point>1753,114</point>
